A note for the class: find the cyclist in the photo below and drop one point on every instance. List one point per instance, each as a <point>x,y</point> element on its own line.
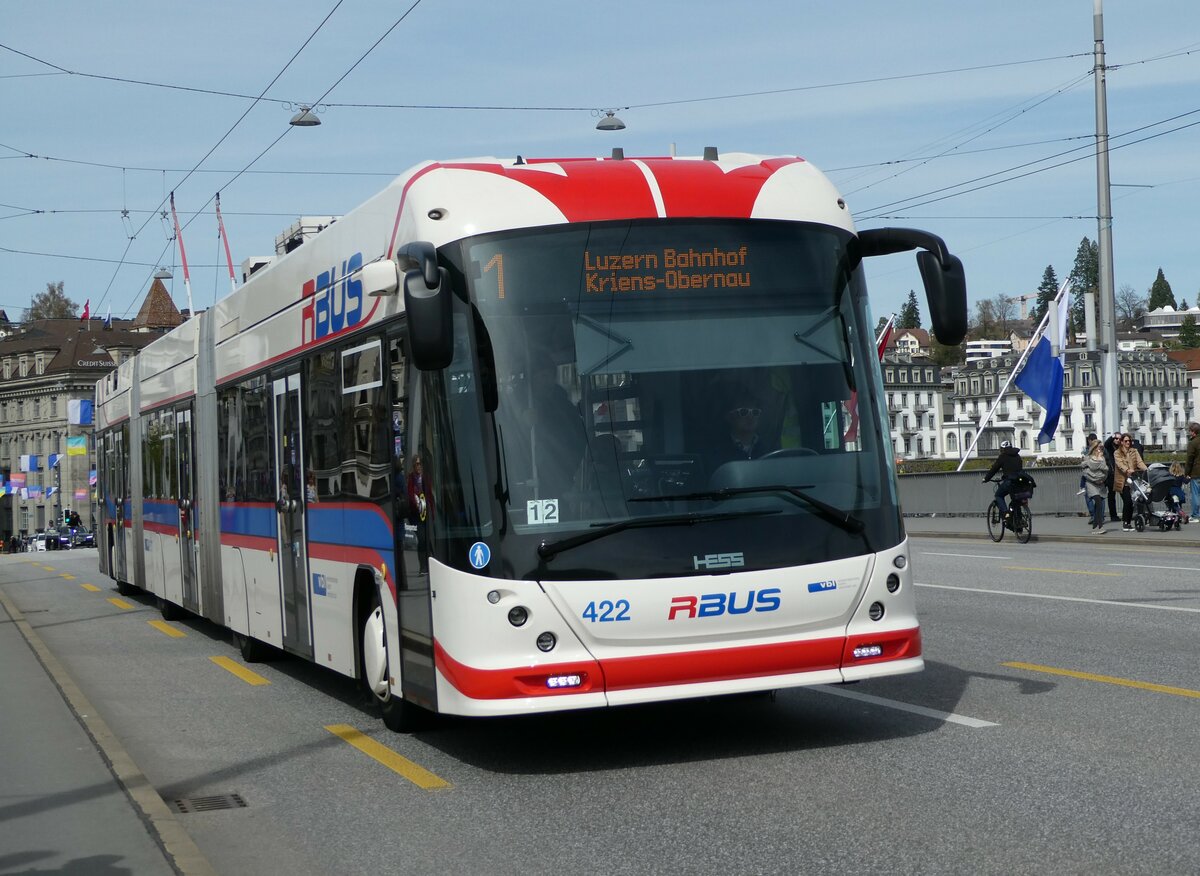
<point>1009,465</point>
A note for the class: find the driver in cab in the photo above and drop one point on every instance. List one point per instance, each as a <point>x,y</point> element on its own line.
<point>744,440</point>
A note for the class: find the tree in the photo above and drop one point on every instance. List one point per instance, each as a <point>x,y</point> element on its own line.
<point>51,304</point>
<point>910,313</point>
<point>986,326</point>
<point>1160,293</point>
<point>1189,335</point>
<point>945,354</point>
<point>1085,277</point>
<point>1005,308</point>
<point>1130,307</point>
<point>1045,294</point>
<point>1183,305</point>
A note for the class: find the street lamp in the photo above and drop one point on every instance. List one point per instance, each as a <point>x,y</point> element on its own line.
<point>610,122</point>
<point>306,118</point>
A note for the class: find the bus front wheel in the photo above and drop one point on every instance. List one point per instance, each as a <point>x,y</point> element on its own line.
<point>398,715</point>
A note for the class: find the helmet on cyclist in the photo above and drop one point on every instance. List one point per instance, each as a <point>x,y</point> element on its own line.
<point>1004,445</point>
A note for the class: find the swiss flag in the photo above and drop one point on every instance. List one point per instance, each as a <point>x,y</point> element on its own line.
<point>87,310</point>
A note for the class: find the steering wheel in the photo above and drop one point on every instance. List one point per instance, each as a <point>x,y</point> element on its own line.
<point>789,451</point>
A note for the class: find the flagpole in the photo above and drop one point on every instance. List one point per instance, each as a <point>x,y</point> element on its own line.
<point>1037,335</point>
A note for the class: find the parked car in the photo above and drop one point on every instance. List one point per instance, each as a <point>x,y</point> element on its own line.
<point>38,542</point>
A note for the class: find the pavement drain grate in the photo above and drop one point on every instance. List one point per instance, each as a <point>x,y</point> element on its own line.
<point>208,804</point>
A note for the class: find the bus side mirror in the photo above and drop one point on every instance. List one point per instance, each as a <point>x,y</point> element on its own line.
<point>427,302</point>
<point>946,292</point>
<point>942,274</point>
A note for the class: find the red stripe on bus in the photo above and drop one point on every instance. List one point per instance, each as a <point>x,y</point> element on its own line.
<point>664,670</point>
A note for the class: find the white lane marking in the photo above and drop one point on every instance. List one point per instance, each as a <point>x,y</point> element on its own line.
<point>1115,602</point>
<point>1140,566</point>
<point>903,707</point>
<point>968,556</point>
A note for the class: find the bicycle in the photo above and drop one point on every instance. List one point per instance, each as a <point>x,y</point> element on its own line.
<point>1019,519</point>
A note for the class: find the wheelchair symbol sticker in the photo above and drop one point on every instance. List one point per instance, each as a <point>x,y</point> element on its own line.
<point>480,555</point>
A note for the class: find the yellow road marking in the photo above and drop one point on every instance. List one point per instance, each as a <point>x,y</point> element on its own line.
<point>1062,571</point>
<point>418,775</point>
<point>120,603</point>
<point>68,577</point>
<point>164,627</point>
<point>91,587</point>
<point>1107,679</point>
<point>240,671</point>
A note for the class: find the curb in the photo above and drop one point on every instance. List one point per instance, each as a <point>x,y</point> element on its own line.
<point>1121,539</point>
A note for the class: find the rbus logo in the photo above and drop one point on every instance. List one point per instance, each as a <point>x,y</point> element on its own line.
<point>716,604</point>
<point>336,301</point>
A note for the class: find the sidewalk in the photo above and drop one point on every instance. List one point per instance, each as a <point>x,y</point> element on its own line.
<point>1053,528</point>
<point>72,801</point>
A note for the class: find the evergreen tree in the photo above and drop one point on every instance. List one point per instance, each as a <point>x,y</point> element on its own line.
<point>1160,292</point>
<point>1085,277</point>
<point>910,313</point>
<point>1189,335</point>
<point>51,304</point>
<point>1045,294</point>
<point>1183,305</point>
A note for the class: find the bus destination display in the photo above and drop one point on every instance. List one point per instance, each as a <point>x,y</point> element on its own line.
<point>665,268</point>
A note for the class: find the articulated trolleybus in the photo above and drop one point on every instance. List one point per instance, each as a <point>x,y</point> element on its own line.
<point>520,436</point>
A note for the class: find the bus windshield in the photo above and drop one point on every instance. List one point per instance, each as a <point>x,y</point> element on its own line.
<point>675,397</point>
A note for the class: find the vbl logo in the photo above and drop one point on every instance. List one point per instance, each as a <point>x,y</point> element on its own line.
<point>336,301</point>
<point>716,604</point>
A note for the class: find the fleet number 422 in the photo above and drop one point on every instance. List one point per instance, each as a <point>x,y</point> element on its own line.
<point>606,611</point>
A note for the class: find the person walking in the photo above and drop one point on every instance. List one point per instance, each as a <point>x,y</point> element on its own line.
<point>1110,449</point>
<point>1128,462</point>
<point>1096,477</point>
<point>1191,468</point>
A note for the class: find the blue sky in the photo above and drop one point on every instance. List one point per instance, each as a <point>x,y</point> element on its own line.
<point>841,84</point>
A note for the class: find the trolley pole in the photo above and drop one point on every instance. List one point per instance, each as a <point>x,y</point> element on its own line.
<point>1110,390</point>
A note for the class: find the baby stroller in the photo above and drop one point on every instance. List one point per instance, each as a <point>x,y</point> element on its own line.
<point>1153,504</point>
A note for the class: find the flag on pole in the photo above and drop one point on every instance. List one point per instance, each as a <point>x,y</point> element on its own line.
<point>1042,377</point>
<point>885,336</point>
<point>108,318</point>
<point>87,311</point>
<point>881,343</point>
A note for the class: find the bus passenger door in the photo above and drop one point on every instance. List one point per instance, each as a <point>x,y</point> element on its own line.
<point>187,521</point>
<point>120,494</point>
<point>289,508</point>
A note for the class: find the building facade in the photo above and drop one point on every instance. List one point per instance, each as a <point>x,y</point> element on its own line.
<point>1157,400</point>
<point>48,374</point>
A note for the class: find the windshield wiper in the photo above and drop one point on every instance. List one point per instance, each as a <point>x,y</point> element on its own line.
<point>548,549</point>
<point>836,516</point>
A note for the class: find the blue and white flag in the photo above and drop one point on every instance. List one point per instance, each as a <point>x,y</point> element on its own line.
<point>1042,377</point>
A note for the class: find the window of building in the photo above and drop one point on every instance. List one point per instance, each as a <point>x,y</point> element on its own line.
<point>974,386</point>
<point>890,375</point>
<point>929,375</point>
<point>1085,377</point>
<point>989,383</point>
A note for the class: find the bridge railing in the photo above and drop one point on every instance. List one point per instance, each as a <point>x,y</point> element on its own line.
<point>962,492</point>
